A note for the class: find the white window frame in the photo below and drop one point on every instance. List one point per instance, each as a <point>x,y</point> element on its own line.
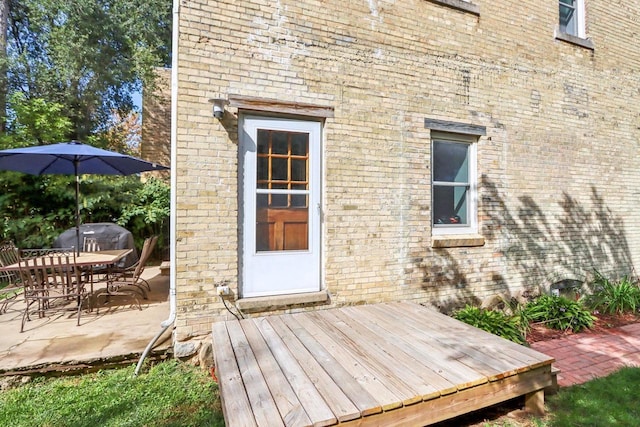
<point>580,19</point>
<point>472,201</point>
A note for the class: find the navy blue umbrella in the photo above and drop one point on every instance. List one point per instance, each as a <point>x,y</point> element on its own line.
<point>73,158</point>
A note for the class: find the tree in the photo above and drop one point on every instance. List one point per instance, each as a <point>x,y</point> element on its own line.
<point>71,67</point>
<point>4,20</point>
<point>87,55</point>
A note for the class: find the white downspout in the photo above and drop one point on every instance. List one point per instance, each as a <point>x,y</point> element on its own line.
<point>172,216</point>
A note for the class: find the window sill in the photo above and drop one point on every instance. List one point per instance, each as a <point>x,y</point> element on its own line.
<point>460,241</point>
<point>277,302</point>
<point>461,5</point>
<point>578,41</point>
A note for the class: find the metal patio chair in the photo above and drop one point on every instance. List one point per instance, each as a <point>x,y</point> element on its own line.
<point>129,281</point>
<point>10,285</point>
<point>51,282</point>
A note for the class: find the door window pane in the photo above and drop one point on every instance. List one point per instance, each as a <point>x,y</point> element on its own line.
<point>279,143</point>
<point>263,141</point>
<point>299,144</point>
<point>299,200</point>
<point>282,216</point>
<point>298,170</point>
<point>279,169</point>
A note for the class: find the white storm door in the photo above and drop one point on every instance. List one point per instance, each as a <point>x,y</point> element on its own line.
<point>280,161</point>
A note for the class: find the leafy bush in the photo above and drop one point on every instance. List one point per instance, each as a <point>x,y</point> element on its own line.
<point>614,297</point>
<point>517,311</point>
<point>560,313</point>
<point>491,321</point>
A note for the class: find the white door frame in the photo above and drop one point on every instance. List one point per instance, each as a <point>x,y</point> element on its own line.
<point>278,272</point>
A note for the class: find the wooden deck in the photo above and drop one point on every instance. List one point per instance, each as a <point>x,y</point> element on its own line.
<point>383,365</point>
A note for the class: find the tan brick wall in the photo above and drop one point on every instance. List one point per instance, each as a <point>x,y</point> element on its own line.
<point>156,119</point>
<point>558,167</point>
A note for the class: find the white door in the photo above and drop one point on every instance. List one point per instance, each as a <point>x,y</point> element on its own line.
<point>280,162</point>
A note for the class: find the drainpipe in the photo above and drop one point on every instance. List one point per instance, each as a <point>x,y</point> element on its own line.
<point>172,216</point>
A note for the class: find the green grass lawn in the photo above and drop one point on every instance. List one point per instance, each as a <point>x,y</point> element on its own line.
<point>612,401</point>
<point>177,394</point>
<point>604,402</point>
<point>169,394</point>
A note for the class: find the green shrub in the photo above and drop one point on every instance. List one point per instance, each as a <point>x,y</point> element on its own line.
<point>517,311</point>
<point>491,321</point>
<point>614,297</point>
<point>560,313</point>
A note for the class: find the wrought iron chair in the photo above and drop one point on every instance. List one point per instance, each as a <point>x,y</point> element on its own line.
<point>129,281</point>
<point>10,285</point>
<point>51,281</point>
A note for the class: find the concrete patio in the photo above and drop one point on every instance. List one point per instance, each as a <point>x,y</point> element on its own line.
<point>116,334</point>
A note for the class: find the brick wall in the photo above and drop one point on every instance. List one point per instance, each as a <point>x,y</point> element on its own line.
<point>156,120</point>
<point>558,179</point>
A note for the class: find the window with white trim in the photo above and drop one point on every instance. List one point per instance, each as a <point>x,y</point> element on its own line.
<point>454,183</point>
<point>571,17</point>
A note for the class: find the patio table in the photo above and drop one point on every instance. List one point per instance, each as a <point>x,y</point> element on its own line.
<point>86,259</point>
<point>50,276</point>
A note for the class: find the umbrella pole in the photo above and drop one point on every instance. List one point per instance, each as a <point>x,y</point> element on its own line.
<point>75,165</point>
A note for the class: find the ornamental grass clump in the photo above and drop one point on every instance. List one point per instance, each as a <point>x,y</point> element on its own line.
<point>612,297</point>
<point>492,321</point>
<point>560,313</point>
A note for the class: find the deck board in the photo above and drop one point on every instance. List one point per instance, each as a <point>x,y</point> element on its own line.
<point>475,359</point>
<point>232,391</point>
<point>357,394</point>
<point>382,358</point>
<point>310,398</point>
<point>430,357</point>
<point>260,399</point>
<point>290,408</point>
<point>383,364</point>
<point>385,394</point>
<point>333,395</point>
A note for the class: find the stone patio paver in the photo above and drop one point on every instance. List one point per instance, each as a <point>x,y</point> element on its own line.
<point>119,331</point>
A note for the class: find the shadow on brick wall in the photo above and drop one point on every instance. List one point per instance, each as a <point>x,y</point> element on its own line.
<point>537,249</point>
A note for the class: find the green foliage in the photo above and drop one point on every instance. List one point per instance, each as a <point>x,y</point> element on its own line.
<point>614,297</point>
<point>518,311</point>
<point>491,321</point>
<point>36,209</point>
<point>604,402</point>
<point>35,121</point>
<point>71,68</point>
<point>87,55</point>
<point>147,213</point>
<point>170,394</point>
<point>560,313</point>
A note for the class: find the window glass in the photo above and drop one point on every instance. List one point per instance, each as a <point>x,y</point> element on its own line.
<point>450,162</point>
<point>299,144</point>
<point>279,169</point>
<point>452,184</point>
<point>263,141</point>
<point>571,17</point>
<point>279,143</point>
<point>568,17</point>
<point>450,205</point>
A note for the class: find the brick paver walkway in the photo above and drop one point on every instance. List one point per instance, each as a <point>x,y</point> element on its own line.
<point>582,357</point>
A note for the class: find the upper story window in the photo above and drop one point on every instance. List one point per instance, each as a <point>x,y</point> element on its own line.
<point>571,14</point>
<point>462,5</point>
<point>454,191</point>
